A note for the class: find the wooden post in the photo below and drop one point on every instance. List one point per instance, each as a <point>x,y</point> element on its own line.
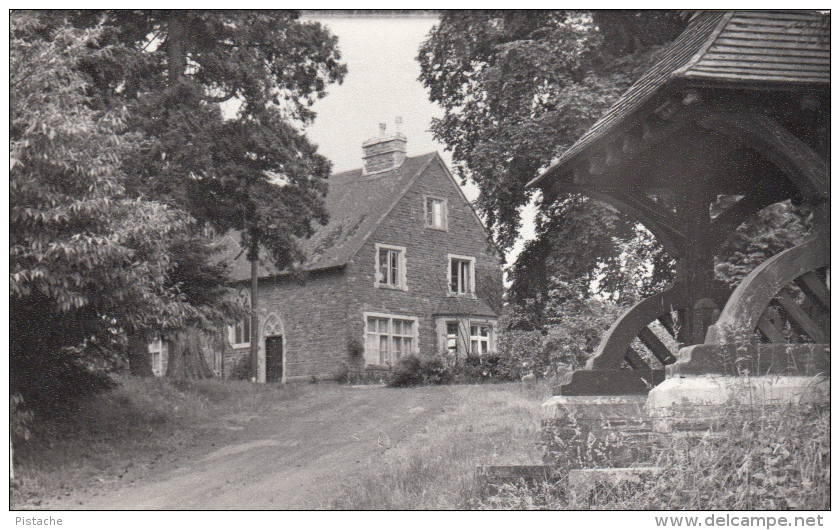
<point>696,268</point>
<point>255,347</point>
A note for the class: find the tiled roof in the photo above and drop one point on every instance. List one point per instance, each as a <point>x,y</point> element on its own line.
<point>771,46</point>
<point>356,204</point>
<point>460,306</point>
<point>735,48</point>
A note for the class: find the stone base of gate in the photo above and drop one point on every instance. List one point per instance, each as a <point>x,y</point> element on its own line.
<point>731,359</point>
<point>584,483</point>
<point>596,431</point>
<point>629,431</point>
<point>702,404</point>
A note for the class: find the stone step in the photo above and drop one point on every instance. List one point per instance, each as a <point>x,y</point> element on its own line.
<point>583,483</point>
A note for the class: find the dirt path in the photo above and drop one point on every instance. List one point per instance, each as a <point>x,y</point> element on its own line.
<point>292,457</point>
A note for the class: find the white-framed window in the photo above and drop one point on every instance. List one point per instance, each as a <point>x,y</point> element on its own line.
<point>157,349</point>
<point>389,338</point>
<point>240,333</point>
<point>451,340</point>
<point>480,338</point>
<point>461,275</point>
<point>436,212</point>
<point>390,267</point>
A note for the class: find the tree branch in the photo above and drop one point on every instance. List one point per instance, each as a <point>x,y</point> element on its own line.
<point>221,99</point>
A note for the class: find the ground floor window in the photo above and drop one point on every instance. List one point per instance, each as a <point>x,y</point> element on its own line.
<point>460,338</point>
<point>389,338</point>
<point>157,350</point>
<point>240,333</point>
<point>452,338</point>
<point>480,339</point>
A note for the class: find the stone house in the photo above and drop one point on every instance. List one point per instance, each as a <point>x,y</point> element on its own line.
<point>404,266</point>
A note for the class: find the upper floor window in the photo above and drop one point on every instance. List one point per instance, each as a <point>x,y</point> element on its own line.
<point>461,275</point>
<point>240,333</point>
<point>436,213</point>
<point>390,267</point>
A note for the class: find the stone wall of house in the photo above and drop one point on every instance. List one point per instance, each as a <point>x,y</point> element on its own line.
<point>426,258</point>
<point>323,314</point>
<point>312,312</point>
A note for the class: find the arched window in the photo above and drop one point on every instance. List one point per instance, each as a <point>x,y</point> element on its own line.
<point>241,331</point>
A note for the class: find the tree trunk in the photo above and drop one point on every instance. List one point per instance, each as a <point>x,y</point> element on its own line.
<point>139,358</point>
<point>186,360</point>
<point>176,47</point>
<point>255,347</point>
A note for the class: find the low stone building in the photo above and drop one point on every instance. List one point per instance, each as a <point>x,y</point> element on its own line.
<point>404,266</point>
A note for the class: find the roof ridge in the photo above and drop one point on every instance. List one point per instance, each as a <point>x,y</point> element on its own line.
<point>724,20</point>
<point>380,173</point>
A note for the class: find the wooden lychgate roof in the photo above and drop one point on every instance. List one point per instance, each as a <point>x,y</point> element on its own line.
<point>736,49</point>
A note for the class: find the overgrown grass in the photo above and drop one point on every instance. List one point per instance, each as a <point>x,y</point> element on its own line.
<point>780,459</point>
<point>493,424</point>
<point>123,433</point>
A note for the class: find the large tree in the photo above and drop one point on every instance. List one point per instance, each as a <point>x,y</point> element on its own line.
<point>254,170</point>
<point>518,88</point>
<point>88,263</point>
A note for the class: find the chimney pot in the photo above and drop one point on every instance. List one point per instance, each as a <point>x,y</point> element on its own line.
<point>398,123</point>
<point>382,128</point>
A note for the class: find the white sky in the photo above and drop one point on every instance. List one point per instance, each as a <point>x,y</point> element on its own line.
<point>381,84</point>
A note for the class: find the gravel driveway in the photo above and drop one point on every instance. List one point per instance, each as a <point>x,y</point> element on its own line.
<point>292,457</point>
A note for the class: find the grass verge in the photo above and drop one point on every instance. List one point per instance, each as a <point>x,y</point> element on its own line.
<point>122,434</point>
<point>493,424</point>
<point>777,459</point>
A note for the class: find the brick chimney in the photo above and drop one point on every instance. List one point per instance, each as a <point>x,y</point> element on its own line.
<point>386,151</point>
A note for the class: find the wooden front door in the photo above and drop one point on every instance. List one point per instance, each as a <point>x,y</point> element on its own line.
<point>273,359</point>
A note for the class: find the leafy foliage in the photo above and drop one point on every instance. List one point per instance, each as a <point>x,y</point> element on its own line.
<point>776,228</point>
<point>519,87</point>
<point>552,336</point>
<point>412,370</point>
<point>87,262</point>
<point>256,172</point>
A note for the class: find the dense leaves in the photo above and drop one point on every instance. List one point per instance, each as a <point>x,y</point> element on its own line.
<point>519,87</point>
<point>118,146</point>
<point>247,166</point>
<point>776,228</point>
<point>87,262</point>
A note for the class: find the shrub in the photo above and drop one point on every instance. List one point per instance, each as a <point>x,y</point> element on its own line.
<point>488,368</point>
<point>412,371</point>
<point>241,369</point>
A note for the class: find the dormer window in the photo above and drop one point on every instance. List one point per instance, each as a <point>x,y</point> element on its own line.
<point>461,275</point>
<point>390,267</point>
<point>436,213</point>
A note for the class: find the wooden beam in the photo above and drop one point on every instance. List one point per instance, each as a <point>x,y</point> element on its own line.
<point>616,342</point>
<point>635,360</point>
<point>659,350</point>
<point>665,320</point>
<point>761,286</point>
<point>756,198</point>
<point>799,318</point>
<point>767,324</point>
<point>815,289</point>
<point>801,164</point>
